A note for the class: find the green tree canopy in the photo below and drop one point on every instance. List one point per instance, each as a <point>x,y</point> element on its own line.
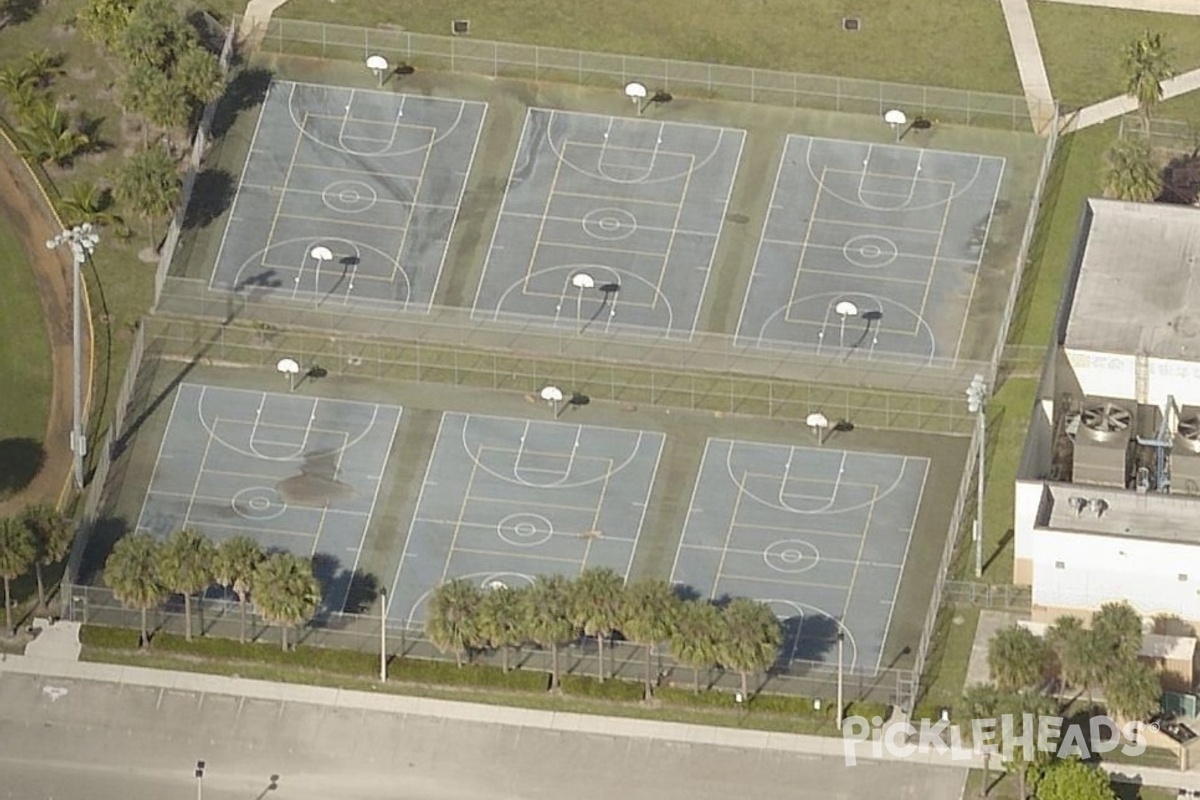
<point>453,618</point>
<point>187,569</point>
<point>53,535</point>
<point>1118,631</point>
<point>1131,173</point>
<point>752,638</point>
<point>234,565</point>
<point>546,617</point>
<point>698,637</point>
<point>286,593</point>
<point>500,622</point>
<point>104,21</point>
<point>132,571</point>
<point>17,552</point>
<point>597,605</point>
<point>1146,64</point>
<point>1132,691</point>
<point>1072,779</point>
<point>648,618</point>
<point>149,183</point>
<point>1017,659</point>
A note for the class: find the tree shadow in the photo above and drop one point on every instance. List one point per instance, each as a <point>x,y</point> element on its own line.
<point>21,459</point>
<point>1181,180</point>
<point>104,535</point>
<point>212,193</point>
<point>14,12</point>
<point>247,89</point>
<point>89,125</point>
<point>342,591</point>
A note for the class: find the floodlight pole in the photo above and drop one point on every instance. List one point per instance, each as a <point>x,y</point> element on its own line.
<point>977,404</point>
<point>82,240</point>
<point>383,601</point>
<point>199,780</point>
<point>840,708</point>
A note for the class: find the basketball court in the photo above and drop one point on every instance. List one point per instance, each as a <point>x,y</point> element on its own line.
<point>348,197</point>
<point>609,224</point>
<point>299,474</point>
<point>870,251</point>
<point>820,534</point>
<point>504,500</point>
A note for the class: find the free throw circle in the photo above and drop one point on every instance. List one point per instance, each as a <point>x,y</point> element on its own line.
<point>348,197</point>
<point>791,556</point>
<point>258,503</point>
<point>525,530</point>
<point>870,251</point>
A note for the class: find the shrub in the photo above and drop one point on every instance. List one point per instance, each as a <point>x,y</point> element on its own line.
<point>587,686</point>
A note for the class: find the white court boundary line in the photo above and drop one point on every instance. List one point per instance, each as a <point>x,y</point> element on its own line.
<point>887,627</point>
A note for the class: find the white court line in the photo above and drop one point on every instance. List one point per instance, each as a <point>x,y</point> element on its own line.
<point>645,503</point>
<point>515,555</point>
<point>416,508</point>
<point>187,514</point>
<point>791,584</point>
<point>159,457</point>
<point>491,526</point>
<point>929,278</point>
<point>374,173</point>
<point>462,512</point>
<point>487,259</point>
<point>900,578</point>
<point>762,233</point>
<point>758,553</point>
<point>237,195</point>
<point>862,545</point>
<point>412,209</point>
<point>987,230</point>
<point>640,227</point>
<point>691,509</point>
<point>224,499</point>
<point>366,525</point>
<point>241,527</point>
<point>737,504</point>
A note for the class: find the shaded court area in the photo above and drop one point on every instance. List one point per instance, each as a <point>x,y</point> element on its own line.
<point>820,534</point>
<point>504,500</point>
<point>294,473</point>
<point>348,197</point>
<point>609,224</point>
<point>871,251</point>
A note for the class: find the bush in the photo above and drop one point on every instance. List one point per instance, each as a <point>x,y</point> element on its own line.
<point>615,689</point>
<point>111,638</point>
<point>445,673</point>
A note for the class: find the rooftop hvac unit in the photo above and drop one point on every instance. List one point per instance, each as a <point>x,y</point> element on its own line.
<point>1185,452</point>
<point>1101,443</point>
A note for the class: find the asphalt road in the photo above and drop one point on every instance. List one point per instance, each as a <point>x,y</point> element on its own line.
<point>99,741</point>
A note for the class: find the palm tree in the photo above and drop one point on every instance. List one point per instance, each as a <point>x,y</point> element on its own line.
<point>500,623</point>
<point>53,535</point>
<point>1074,647</point>
<point>1117,628</point>
<point>17,553</point>
<point>697,639</point>
<point>84,201</point>
<point>597,603</point>
<point>453,620</point>
<point>752,639</point>
<point>545,617</point>
<point>49,136</point>
<point>132,571</point>
<point>187,569</point>
<point>149,183</point>
<point>15,80</point>
<point>286,593</point>
<point>981,701</point>
<point>43,65</point>
<point>1131,173</point>
<point>1132,691</point>
<point>1146,64</point>
<point>233,567</point>
<point>1016,659</point>
<point>649,617</point>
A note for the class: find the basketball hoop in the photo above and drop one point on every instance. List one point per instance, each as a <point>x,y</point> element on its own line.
<point>379,66</point>
<point>637,93</point>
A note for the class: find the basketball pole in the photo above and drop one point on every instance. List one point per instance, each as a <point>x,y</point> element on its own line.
<point>383,609</point>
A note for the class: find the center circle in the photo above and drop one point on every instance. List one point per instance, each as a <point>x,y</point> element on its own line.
<point>609,224</point>
<point>870,251</point>
<point>791,556</point>
<point>258,503</point>
<point>348,197</point>
<point>525,530</point>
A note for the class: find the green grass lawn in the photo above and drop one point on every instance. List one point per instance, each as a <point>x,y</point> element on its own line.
<point>24,357</point>
<point>1081,46</point>
<point>949,656</point>
<point>971,44</point>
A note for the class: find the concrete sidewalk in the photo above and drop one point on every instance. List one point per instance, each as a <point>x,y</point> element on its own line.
<point>1024,41</point>
<point>1119,106</point>
<point>1188,7</point>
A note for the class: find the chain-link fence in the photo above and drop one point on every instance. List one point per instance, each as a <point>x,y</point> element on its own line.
<point>713,81</point>
<point>220,616</point>
<point>984,595</point>
<point>260,344</point>
<point>450,327</point>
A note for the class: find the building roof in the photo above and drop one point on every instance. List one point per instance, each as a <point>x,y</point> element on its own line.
<point>1124,513</point>
<point>1154,645</point>
<point>1137,291</point>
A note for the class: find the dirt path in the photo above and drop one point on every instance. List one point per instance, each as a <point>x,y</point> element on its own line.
<point>22,204</point>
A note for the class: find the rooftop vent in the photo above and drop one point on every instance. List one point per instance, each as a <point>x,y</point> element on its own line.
<point>1187,435</point>
<point>1105,422</point>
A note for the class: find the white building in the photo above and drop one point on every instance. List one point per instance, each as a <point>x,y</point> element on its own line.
<point>1108,493</point>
